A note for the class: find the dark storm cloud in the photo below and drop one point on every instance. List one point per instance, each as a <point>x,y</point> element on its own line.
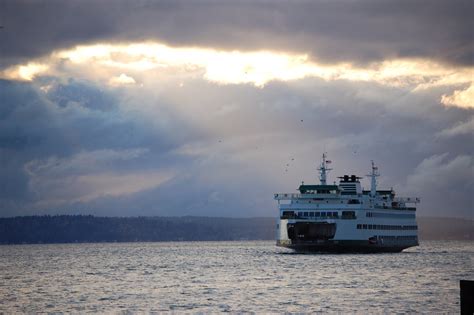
<point>73,129</point>
<point>332,31</point>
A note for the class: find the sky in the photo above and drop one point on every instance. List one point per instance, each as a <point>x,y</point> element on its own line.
<point>208,108</point>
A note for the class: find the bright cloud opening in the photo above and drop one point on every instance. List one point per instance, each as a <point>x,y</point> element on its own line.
<point>109,62</point>
<point>122,79</point>
<point>24,72</point>
<point>460,98</point>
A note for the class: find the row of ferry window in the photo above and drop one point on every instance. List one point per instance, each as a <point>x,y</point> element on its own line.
<point>350,201</point>
<point>390,215</point>
<point>385,227</point>
<point>318,214</point>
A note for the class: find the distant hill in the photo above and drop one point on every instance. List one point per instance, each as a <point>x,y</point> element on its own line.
<point>86,228</point>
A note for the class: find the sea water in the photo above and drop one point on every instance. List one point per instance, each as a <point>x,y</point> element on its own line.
<point>230,276</point>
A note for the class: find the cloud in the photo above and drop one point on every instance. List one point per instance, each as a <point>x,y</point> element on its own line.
<point>122,79</point>
<point>80,163</point>
<point>75,136</point>
<point>193,146</point>
<point>88,175</point>
<point>104,63</point>
<point>461,128</point>
<point>461,98</point>
<point>332,32</point>
<point>450,178</point>
<point>25,72</point>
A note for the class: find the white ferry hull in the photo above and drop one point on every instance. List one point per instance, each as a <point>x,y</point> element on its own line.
<point>339,235</point>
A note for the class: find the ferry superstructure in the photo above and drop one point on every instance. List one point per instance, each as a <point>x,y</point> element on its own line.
<point>346,218</point>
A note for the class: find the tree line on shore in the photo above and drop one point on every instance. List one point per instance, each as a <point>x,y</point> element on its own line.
<point>88,228</point>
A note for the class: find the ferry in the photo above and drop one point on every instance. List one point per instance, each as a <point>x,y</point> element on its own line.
<point>346,218</point>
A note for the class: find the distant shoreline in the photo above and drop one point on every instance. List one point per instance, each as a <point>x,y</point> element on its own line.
<point>63,229</point>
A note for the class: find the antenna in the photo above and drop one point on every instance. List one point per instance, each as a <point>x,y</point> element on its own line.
<point>373,182</point>
<point>323,169</point>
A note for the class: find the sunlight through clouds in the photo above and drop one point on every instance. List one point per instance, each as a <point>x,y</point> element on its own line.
<point>460,98</point>
<point>25,72</point>
<point>108,62</point>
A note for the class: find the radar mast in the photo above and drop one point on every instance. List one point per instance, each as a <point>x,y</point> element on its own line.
<point>373,176</point>
<point>323,169</point>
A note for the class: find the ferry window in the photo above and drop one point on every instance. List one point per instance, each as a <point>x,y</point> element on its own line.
<point>370,226</point>
<point>365,226</point>
<point>359,226</point>
<point>323,214</point>
<point>348,215</point>
<point>288,215</point>
<point>300,214</point>
<point>311,214</point>
<point>305,214</point>
<point>334,214</point>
